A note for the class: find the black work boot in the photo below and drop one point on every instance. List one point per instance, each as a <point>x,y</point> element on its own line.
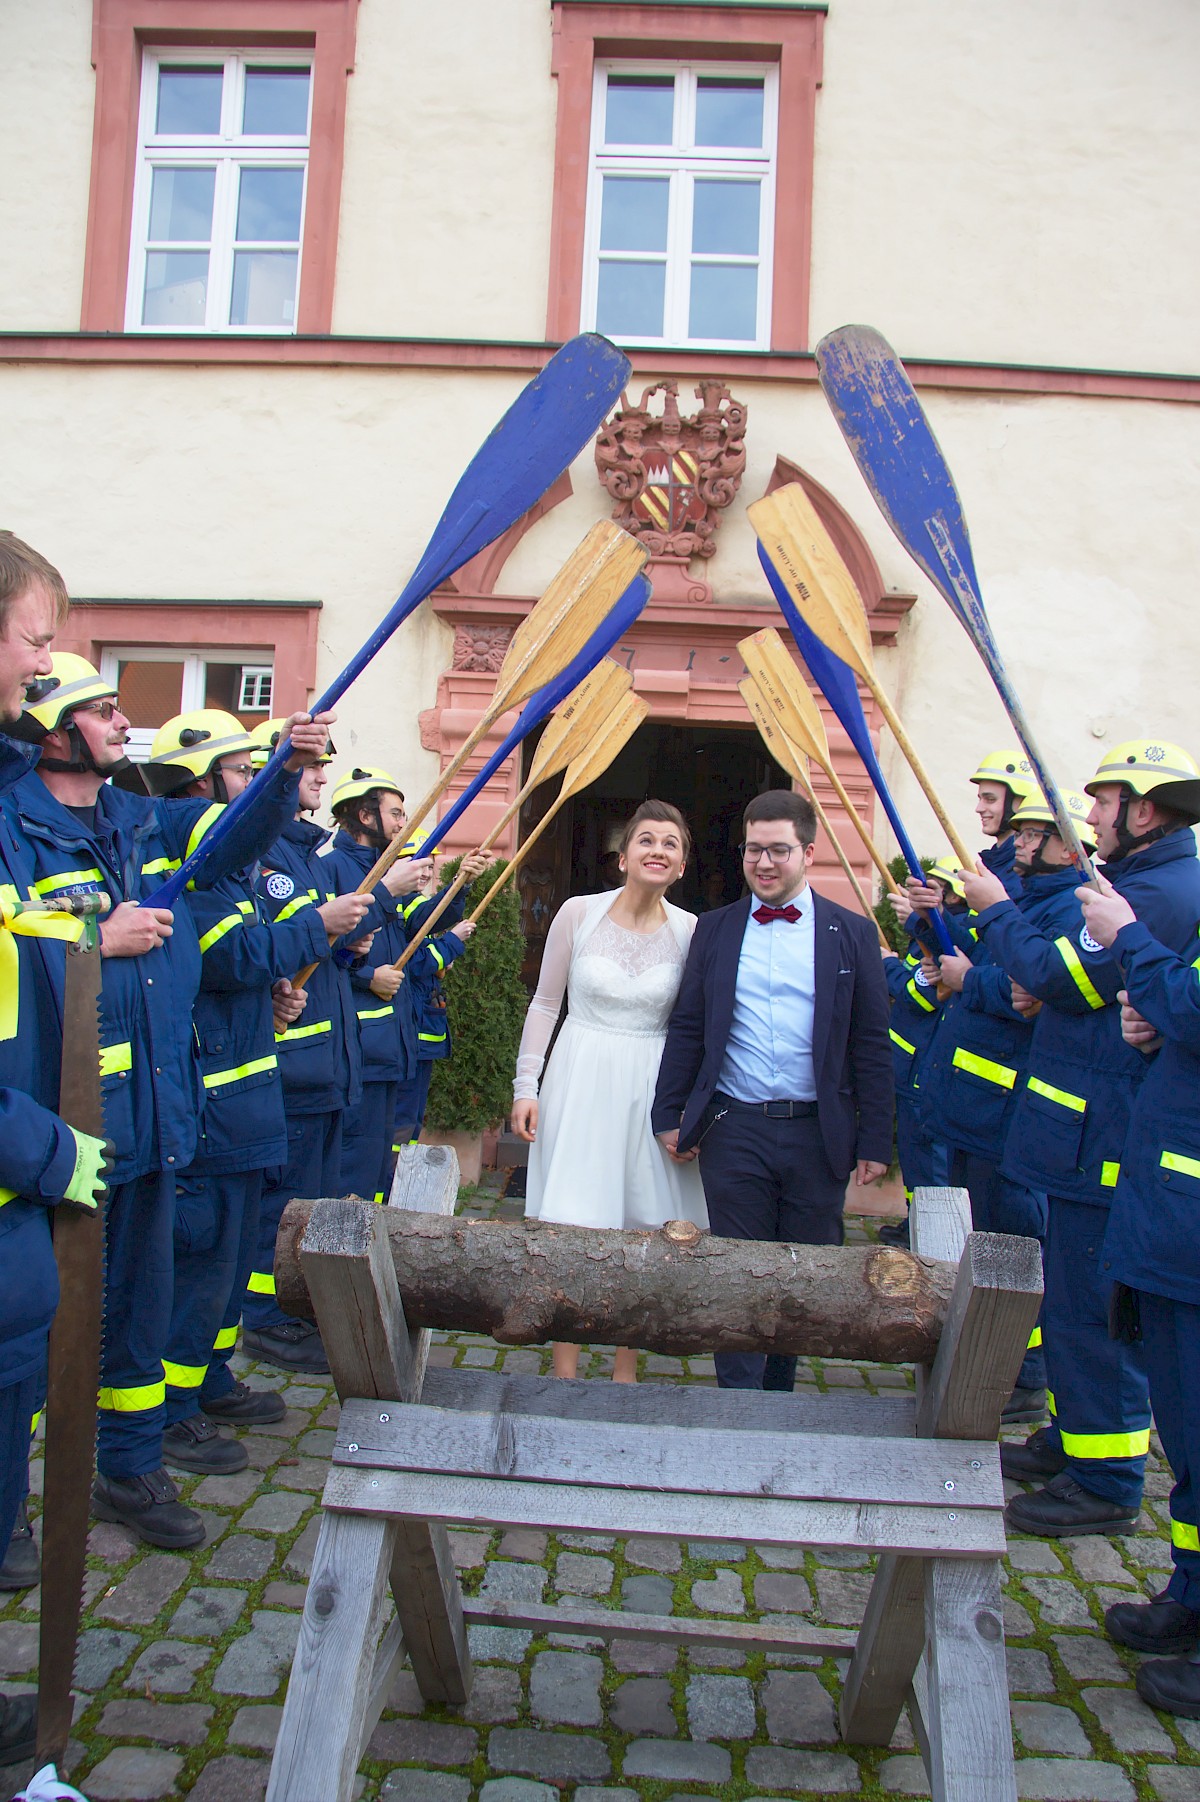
<point>18,1728</point>
<point>22,1567</point>
<point>895,1233</point>
<point>195,1444</point>
<point>1159,1626</point>
<point>1172,1684</point>
<point>243,1406</point>
<point>293,1345</point>
<point>1064,1507</point>
<point>1040,1456</point>
<point>1024,1404</point>
<point>150,1507</point>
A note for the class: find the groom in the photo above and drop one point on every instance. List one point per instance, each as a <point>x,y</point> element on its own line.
<point>777,1071</point>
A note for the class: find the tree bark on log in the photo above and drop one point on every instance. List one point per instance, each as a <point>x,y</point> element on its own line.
<point>677,1291</point>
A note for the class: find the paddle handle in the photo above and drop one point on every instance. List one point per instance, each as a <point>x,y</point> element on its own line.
<point>895,726</point>
<point>517,858</point>
<point>847,866</point>
<point>460,880</point>
<point>872,849</point>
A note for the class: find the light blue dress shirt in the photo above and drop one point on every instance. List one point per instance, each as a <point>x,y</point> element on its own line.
<point>769,1056</point>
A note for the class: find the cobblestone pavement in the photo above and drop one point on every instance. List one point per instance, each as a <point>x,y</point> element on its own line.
<point>184,1657</point>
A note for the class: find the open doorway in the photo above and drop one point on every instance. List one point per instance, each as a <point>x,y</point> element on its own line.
<point>708,772</point>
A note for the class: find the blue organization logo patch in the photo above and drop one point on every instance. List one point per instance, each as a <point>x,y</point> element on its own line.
<point>280,886</point>
<point>1088,943</point>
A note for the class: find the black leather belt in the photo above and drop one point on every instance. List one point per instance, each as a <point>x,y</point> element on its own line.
<point>774,1110</point>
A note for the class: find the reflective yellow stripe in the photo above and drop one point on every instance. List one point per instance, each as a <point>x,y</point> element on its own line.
<point>921,1000</point>
<point>218,931</point>
<point>1064,1097</point>
<point>304,1032</point>
<point>66,879</point>
<point>376,1013</point>
<point>410,908</point>
<point>1035,1338</point>
<point>379,1198</point>
<point>295,904</point>
<point>160,866</point>
<point>1172,1160</point>
<point>1105,1445</point>
<point>1186,1537</point>
<point>115,1058</point>
<point>984,1067</point>
<point>245,907</point>
<point>184,1376</point>
<point>226,1338</point>
<point>219,1078</point>
<point>1051,1405</point>
<point>208,818</point>
<point>1108,1175</point>
<point>1083,981</point>
<point>7,1195</point>
<point>132,1401</point>
<point>260,1283</point>
<point>438,959</point>
<point>903,1043</point>
<point>36,1422</point>
<point>432,1038</point>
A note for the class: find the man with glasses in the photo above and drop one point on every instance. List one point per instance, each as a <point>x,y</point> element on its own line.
<point>777,1069</point>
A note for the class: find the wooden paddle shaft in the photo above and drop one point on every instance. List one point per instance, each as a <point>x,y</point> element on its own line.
<point>895,726</point>
<point>847,866</point>
<point>459,882</point>
<point>873,851</point>
<point>517,858</point>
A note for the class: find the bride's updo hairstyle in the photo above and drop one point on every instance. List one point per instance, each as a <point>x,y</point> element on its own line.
<point>664,814</point>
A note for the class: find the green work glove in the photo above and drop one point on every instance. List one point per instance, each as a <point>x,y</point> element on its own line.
<point>93,1161</point>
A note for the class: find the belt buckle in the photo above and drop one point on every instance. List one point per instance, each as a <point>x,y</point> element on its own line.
<point>777,1110</point>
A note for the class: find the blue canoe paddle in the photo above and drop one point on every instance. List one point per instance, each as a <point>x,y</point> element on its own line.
<point>541,433</point>
<point>892,442</point>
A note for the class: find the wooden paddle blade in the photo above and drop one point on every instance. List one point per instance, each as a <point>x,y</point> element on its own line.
<point>892,442</point>
<point>587,587</point>
<point>630,714</point>
<point>794,538</point>
<point>788,755</point>
<point>585,711</point>
<point>786,692</point>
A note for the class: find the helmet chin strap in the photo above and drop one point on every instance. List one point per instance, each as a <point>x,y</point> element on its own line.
<point>1037,863</point>
<point>1011,803</point>
<point>1127,841</point>
<point>372,830</point>
<point>81,758</point>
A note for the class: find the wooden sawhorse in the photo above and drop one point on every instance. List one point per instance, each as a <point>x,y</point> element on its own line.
<point>916,1481</point>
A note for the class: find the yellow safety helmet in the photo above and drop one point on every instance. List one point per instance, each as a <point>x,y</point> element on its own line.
<point>1153,767</point>
<point>412,846</point>
<point>1008,769</point>
<point>945,869</point>
<point>188,746</point>
<point>364,780</point>
<point>72,682</point>
<point>265,737</point>
<point>1035,810</point>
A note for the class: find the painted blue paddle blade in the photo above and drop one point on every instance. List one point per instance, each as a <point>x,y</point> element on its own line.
<point>893,444</point>
<point>541,705</point>
<point>542,432</point>
<point>836,681</point>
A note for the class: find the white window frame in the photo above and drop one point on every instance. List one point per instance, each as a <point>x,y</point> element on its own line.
<point>192,687</point>
<point>681,162</point>
<point>230,151</point>
<point>252,676</point>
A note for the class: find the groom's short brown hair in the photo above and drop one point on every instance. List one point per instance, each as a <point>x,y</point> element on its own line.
<point>782,804</point>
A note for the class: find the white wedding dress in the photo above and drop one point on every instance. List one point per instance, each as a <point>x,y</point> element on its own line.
<point>595,1160</point>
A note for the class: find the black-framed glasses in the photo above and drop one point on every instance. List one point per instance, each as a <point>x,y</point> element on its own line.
<point>103,710</point>
<point>776,853</point>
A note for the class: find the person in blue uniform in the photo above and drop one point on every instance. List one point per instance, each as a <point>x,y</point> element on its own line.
<point>86,834</point>
<point>1151,1248</point>
<point>206,756</point>
<point>1068,1133</point>
<point>44,1162</point>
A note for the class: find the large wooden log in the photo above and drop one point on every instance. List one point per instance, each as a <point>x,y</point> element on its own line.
<point>675,1291</point>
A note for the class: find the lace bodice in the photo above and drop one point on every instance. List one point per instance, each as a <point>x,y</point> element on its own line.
<point>617,981</point>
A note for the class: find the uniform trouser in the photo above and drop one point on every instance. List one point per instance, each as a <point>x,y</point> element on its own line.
<point>313,1169</point>
<point>1171,1338</point>
<point>209,1214</point>
<point>999,1205</point>
<point>411,1100</point>
<point>914,1149</point>
<point>138,1287</point>
<point>767,1179</point>
<point>1098,1395</point>
<point>219,1379</point>
<point>18,1402</point>
<point>367,1142</point>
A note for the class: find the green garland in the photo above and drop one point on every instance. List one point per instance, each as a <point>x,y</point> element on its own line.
<point>485,1008</point>
<point>885,913</point>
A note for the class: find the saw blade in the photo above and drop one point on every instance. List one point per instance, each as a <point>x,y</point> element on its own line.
<point>74,1367</point>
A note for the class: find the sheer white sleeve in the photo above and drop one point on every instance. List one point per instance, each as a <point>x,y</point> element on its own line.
<point>544,1009</point>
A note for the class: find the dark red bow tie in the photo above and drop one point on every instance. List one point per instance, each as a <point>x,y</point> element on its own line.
<point>764,914</point>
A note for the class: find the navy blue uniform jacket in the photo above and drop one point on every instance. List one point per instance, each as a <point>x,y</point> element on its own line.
<point>852,1056</point>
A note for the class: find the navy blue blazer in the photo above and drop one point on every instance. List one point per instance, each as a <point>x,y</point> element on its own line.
<point>851,1052</point>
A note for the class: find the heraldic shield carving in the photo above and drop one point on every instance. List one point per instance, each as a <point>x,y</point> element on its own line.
<point>671,477</point>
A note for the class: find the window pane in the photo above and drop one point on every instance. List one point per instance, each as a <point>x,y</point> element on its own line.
<point>151,693</point>
<point>630,303</point>
<point>181,203</point>
<point>176,288</point>
<point>189,102</point>
<point>264,288</point>
<point>729,112</point>
<point>276,103</point>
<point>724,302</point>
<point>725,217</point>
<point>269,205</point>
<point>640,109</point>
<point>634,212</point>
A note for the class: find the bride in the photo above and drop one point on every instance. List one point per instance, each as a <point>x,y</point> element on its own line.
<point>595,1160</point>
